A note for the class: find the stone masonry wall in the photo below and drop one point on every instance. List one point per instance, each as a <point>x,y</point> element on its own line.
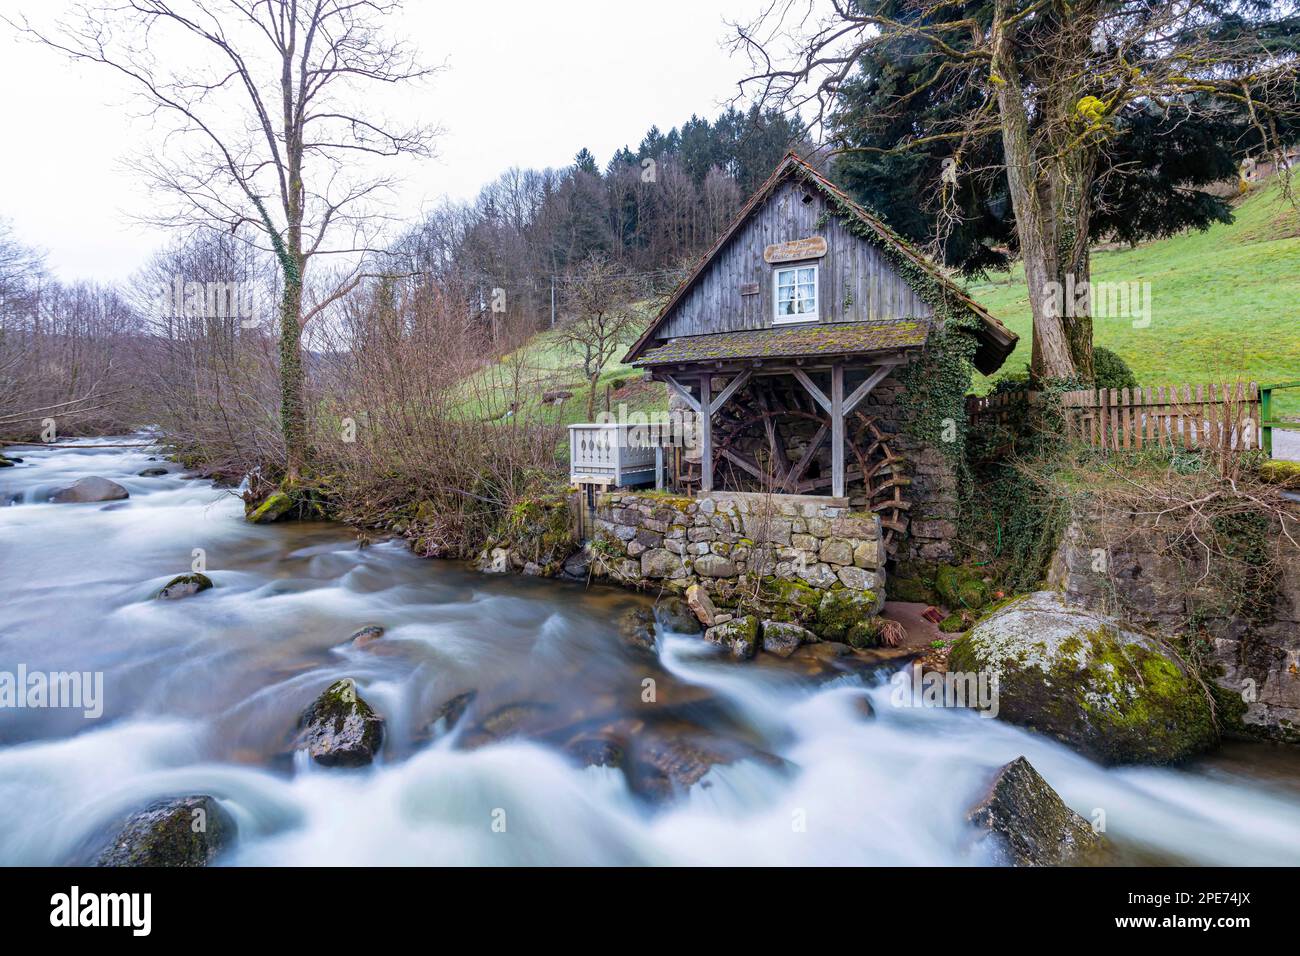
<point>933,491</point>
<point>783,549</point>
<point>1257,665</point>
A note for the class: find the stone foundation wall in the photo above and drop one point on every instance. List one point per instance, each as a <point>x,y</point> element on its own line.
<point>786,550</point>
<point>1256,664</point>
<point>933,492</point>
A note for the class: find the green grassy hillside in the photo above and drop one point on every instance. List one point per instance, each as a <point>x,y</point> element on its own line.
<point>1224,302</point>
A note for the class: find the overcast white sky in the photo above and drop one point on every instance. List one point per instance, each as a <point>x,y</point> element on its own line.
<point>526,84</point>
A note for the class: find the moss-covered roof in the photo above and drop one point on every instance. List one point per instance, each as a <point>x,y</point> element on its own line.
<point>799,341</point>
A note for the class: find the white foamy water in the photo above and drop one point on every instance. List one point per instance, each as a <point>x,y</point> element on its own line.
<point>201,696</point>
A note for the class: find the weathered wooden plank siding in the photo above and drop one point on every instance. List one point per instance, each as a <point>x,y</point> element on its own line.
<point>855,282</point>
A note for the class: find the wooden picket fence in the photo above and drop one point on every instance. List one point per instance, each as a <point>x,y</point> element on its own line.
<point>1225,417</point>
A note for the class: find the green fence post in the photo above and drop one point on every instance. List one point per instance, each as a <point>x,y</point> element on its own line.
<point>1266,416</point>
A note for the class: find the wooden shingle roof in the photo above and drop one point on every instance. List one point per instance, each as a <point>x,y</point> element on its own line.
<point>801,341</point>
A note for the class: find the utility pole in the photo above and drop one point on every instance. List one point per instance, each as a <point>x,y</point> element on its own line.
<point>552,301</point>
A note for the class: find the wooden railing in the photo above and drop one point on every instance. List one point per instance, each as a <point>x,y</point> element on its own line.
<point>1224,417</point>
<point>607,454</point>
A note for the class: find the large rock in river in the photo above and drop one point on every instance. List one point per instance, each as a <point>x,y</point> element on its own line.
<point>188,831</point>
<point>1028,824</point>
<point>1114,694</point>
<point>90,489</point>
<point>339,728</point>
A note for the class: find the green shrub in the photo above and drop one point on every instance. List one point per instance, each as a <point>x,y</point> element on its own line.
<point>1110,370</point>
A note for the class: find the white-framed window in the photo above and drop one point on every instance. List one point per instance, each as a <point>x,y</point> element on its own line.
<point>794,294</point>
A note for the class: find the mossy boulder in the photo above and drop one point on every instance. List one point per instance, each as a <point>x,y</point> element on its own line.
<point>1279,472</point>
<point>1111,693</point>
<point>340,729</point>
<point>275,507</point>
<point>187,831</point>
<point>5,462</point>
<point>1029,825</point>
<point>960,587</point>
<point>740,636</point>
<point>184,585</point>
<point>844,612</point>
<point>783,638</point>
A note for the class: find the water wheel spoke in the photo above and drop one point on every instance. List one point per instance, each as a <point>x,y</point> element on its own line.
<point>757,447</point>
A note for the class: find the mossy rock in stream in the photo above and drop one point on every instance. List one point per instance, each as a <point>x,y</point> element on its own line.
<point>1111,693</point>
<point>275,507</point>
<point>188,831</point>
<point>184,585</point>
<point>339,728</point>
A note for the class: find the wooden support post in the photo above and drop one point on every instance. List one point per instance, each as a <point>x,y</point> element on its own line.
<point>837,431</point>
<point>659,467</point>
<point>706,434</point>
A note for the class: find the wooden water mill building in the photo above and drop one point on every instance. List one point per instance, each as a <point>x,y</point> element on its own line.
<point>788,345</point>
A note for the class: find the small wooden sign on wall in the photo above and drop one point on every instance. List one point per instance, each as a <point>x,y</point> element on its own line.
<point>812,248</point>
<point>749,288</point>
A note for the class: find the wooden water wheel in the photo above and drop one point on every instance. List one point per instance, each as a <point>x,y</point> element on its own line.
<point>771,437</point>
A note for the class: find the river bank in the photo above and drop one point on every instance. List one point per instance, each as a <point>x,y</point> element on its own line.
<point>201,696</point>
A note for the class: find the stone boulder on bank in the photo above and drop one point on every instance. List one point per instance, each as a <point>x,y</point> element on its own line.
<point>739,636</point>
<point>340,729</point>
<point>186,831</point>
<point>1111,693</point>
<point>90,489</point>
<point>1028,824</point>
<point>783,638</point>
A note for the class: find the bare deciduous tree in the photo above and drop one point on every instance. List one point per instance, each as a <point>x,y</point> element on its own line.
<point>269,134</point>
<point>602,318</point>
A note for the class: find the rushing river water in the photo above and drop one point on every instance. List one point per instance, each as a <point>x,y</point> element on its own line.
<point>201,696</point>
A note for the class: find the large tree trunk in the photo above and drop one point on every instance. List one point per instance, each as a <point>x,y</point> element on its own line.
<point>292,405</point>
<point>1076,258</point>
<point>1033,202</point>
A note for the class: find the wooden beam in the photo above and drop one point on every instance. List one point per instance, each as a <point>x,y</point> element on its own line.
<point>748,464</point>
<point>683,393</point>
<point>837,431</point>
<point>706,435</point>
<point>792,480</point>
<point>732,386</point>
<point>818,395</point>
<point>863,390</point>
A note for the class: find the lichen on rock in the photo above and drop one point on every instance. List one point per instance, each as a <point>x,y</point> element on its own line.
<point>1112,693</point>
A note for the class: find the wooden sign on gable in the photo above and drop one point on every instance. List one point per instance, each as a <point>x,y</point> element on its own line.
<point>813,247</point>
